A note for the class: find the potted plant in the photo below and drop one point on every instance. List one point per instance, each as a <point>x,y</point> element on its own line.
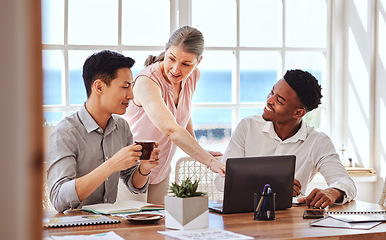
<point>186,208</point>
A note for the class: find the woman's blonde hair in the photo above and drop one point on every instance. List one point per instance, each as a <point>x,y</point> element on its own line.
<point>188,38</point>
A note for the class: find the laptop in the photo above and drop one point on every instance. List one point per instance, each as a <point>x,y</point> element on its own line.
<point>248,175</point>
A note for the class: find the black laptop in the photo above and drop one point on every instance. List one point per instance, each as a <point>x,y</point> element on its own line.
<point>248,175</point>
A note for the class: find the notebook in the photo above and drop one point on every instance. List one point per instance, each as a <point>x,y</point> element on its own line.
<point>80,220</point>
<point>335,223</point>
<point>359,216</point>
<point>124,206</point>
<point>248,175</point>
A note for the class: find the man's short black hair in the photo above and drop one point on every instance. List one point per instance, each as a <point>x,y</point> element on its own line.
<point>306,87</point>
<point>103,65</point>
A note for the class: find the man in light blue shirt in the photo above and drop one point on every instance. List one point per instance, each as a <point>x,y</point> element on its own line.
<point>92,148</point>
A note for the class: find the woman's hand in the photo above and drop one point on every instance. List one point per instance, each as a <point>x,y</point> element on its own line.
<point>217,167</point>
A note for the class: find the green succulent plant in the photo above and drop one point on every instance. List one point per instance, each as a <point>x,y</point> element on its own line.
<point>186,189</point>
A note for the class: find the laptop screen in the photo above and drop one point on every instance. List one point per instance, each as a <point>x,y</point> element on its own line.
<point>248,175</point>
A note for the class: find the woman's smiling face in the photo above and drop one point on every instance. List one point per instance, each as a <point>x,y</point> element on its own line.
<point>178,65</point>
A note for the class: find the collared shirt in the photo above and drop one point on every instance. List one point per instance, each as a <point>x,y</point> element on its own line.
<point>77,146</point>
<point>142,126</point>
<point>314,153</point>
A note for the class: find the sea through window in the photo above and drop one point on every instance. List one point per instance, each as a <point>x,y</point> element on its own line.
<point>249,44</point>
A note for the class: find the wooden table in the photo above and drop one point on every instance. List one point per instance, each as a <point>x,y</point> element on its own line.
<point>289,224</point>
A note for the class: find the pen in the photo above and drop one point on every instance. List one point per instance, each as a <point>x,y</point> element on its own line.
<point>260,202</point>
<point>264,205</point>
<point>266,186</point>
<point>265,200</point>
<point>262,197</point>
<point>301,193</point>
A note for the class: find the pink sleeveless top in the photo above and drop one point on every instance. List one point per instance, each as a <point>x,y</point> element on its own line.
<point>143,128</point>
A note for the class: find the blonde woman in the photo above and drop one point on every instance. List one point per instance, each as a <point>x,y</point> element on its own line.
<point>163,93</point>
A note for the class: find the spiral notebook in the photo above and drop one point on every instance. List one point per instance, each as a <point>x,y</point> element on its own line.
<point>359,216</point>
<point>335,223</point>
<point>81,220</point>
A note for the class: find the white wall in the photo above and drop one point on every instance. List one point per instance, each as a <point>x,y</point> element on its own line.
<point>380,85</point>
<point>380,93</point>
<point>358,82</point>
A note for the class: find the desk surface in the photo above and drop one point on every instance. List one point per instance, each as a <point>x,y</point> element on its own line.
<point>289,224</point>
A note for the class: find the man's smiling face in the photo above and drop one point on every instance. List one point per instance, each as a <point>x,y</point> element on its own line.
<point>282,103</point>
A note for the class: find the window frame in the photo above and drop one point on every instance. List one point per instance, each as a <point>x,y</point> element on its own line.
<point>180,15</point>
<point>236,104</point>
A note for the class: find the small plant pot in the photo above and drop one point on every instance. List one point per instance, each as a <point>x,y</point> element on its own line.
<point>186,213</point>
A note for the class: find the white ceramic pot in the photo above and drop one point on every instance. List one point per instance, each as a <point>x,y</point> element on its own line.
<point>186,213</point>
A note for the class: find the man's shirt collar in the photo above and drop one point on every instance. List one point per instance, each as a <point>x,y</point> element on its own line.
<point>90,124</point>
<point>301,134</point>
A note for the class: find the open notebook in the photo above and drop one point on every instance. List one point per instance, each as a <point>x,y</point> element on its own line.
<point>124,206</point>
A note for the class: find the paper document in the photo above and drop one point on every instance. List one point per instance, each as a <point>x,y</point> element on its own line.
<point>295,200</point>
<point>204,234</point>
<point>101,236</point>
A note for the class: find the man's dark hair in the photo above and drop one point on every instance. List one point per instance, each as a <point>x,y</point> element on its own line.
<point>103,65</point>
<point>306,87</point>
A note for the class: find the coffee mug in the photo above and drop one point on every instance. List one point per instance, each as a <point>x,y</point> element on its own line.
<point>147,148</point>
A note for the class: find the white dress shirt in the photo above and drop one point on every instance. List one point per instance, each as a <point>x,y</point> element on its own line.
<point>314,153</point>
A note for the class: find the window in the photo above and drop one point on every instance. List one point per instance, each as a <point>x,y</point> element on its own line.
<point>73,30</point>
<point>249,46</point>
